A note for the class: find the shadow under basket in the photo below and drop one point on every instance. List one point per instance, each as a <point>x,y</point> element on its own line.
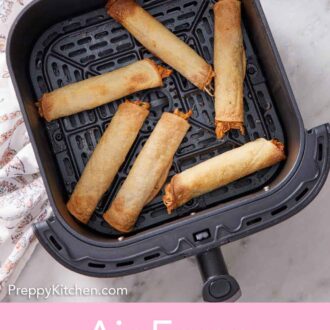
<point>71,40</point>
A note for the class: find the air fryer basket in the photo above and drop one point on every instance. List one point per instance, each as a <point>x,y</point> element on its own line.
<point>70,41</point>
<point>61,57</point>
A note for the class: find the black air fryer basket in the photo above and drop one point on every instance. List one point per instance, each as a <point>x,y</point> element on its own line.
<point>54,43</point>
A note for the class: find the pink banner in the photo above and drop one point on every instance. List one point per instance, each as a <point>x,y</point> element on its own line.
<point>164,316</point>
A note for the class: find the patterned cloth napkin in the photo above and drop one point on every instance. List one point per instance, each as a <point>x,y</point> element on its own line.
<point>23,200</point>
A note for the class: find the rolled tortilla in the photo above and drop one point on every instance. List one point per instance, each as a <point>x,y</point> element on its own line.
<point>99,90</point>
<point>161,42</point>
<point>149,171</point>
<point>222,170</point>
<point>109,155</point>
<point>229,66</point>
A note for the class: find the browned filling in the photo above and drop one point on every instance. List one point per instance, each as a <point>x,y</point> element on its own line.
<point>183,115</point>
<point>207,85</point>
<point>279,145</point>
<point>169,198</point>
<point>164,72</point>
<point>222,127</point>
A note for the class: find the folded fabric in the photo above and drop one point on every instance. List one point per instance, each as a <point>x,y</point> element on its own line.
<point>23,200</point>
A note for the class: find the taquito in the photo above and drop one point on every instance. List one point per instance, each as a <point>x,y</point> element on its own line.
<point>107,158</point>
<point>149,172</point>
<point>229,66</point>
<point>102,89</point>
<point>222,170</point>
<point>161,42</point>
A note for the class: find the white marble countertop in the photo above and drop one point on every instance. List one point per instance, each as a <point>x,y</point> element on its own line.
<point>285,263</point>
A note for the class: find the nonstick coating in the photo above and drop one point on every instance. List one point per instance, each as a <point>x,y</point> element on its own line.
<point>93,44</point>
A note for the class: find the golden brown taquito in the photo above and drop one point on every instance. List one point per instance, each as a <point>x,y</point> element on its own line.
<point>96,91</point>
<point>229,67</point>
<point>149,171</point>
<point>222,170</point>
<point>161,42</point>
<point>107,158</point>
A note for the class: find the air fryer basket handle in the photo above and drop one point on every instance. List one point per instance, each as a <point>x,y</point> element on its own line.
<point>219,286</point>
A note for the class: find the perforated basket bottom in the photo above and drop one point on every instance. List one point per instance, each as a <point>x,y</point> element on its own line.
<point>93,44</point>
